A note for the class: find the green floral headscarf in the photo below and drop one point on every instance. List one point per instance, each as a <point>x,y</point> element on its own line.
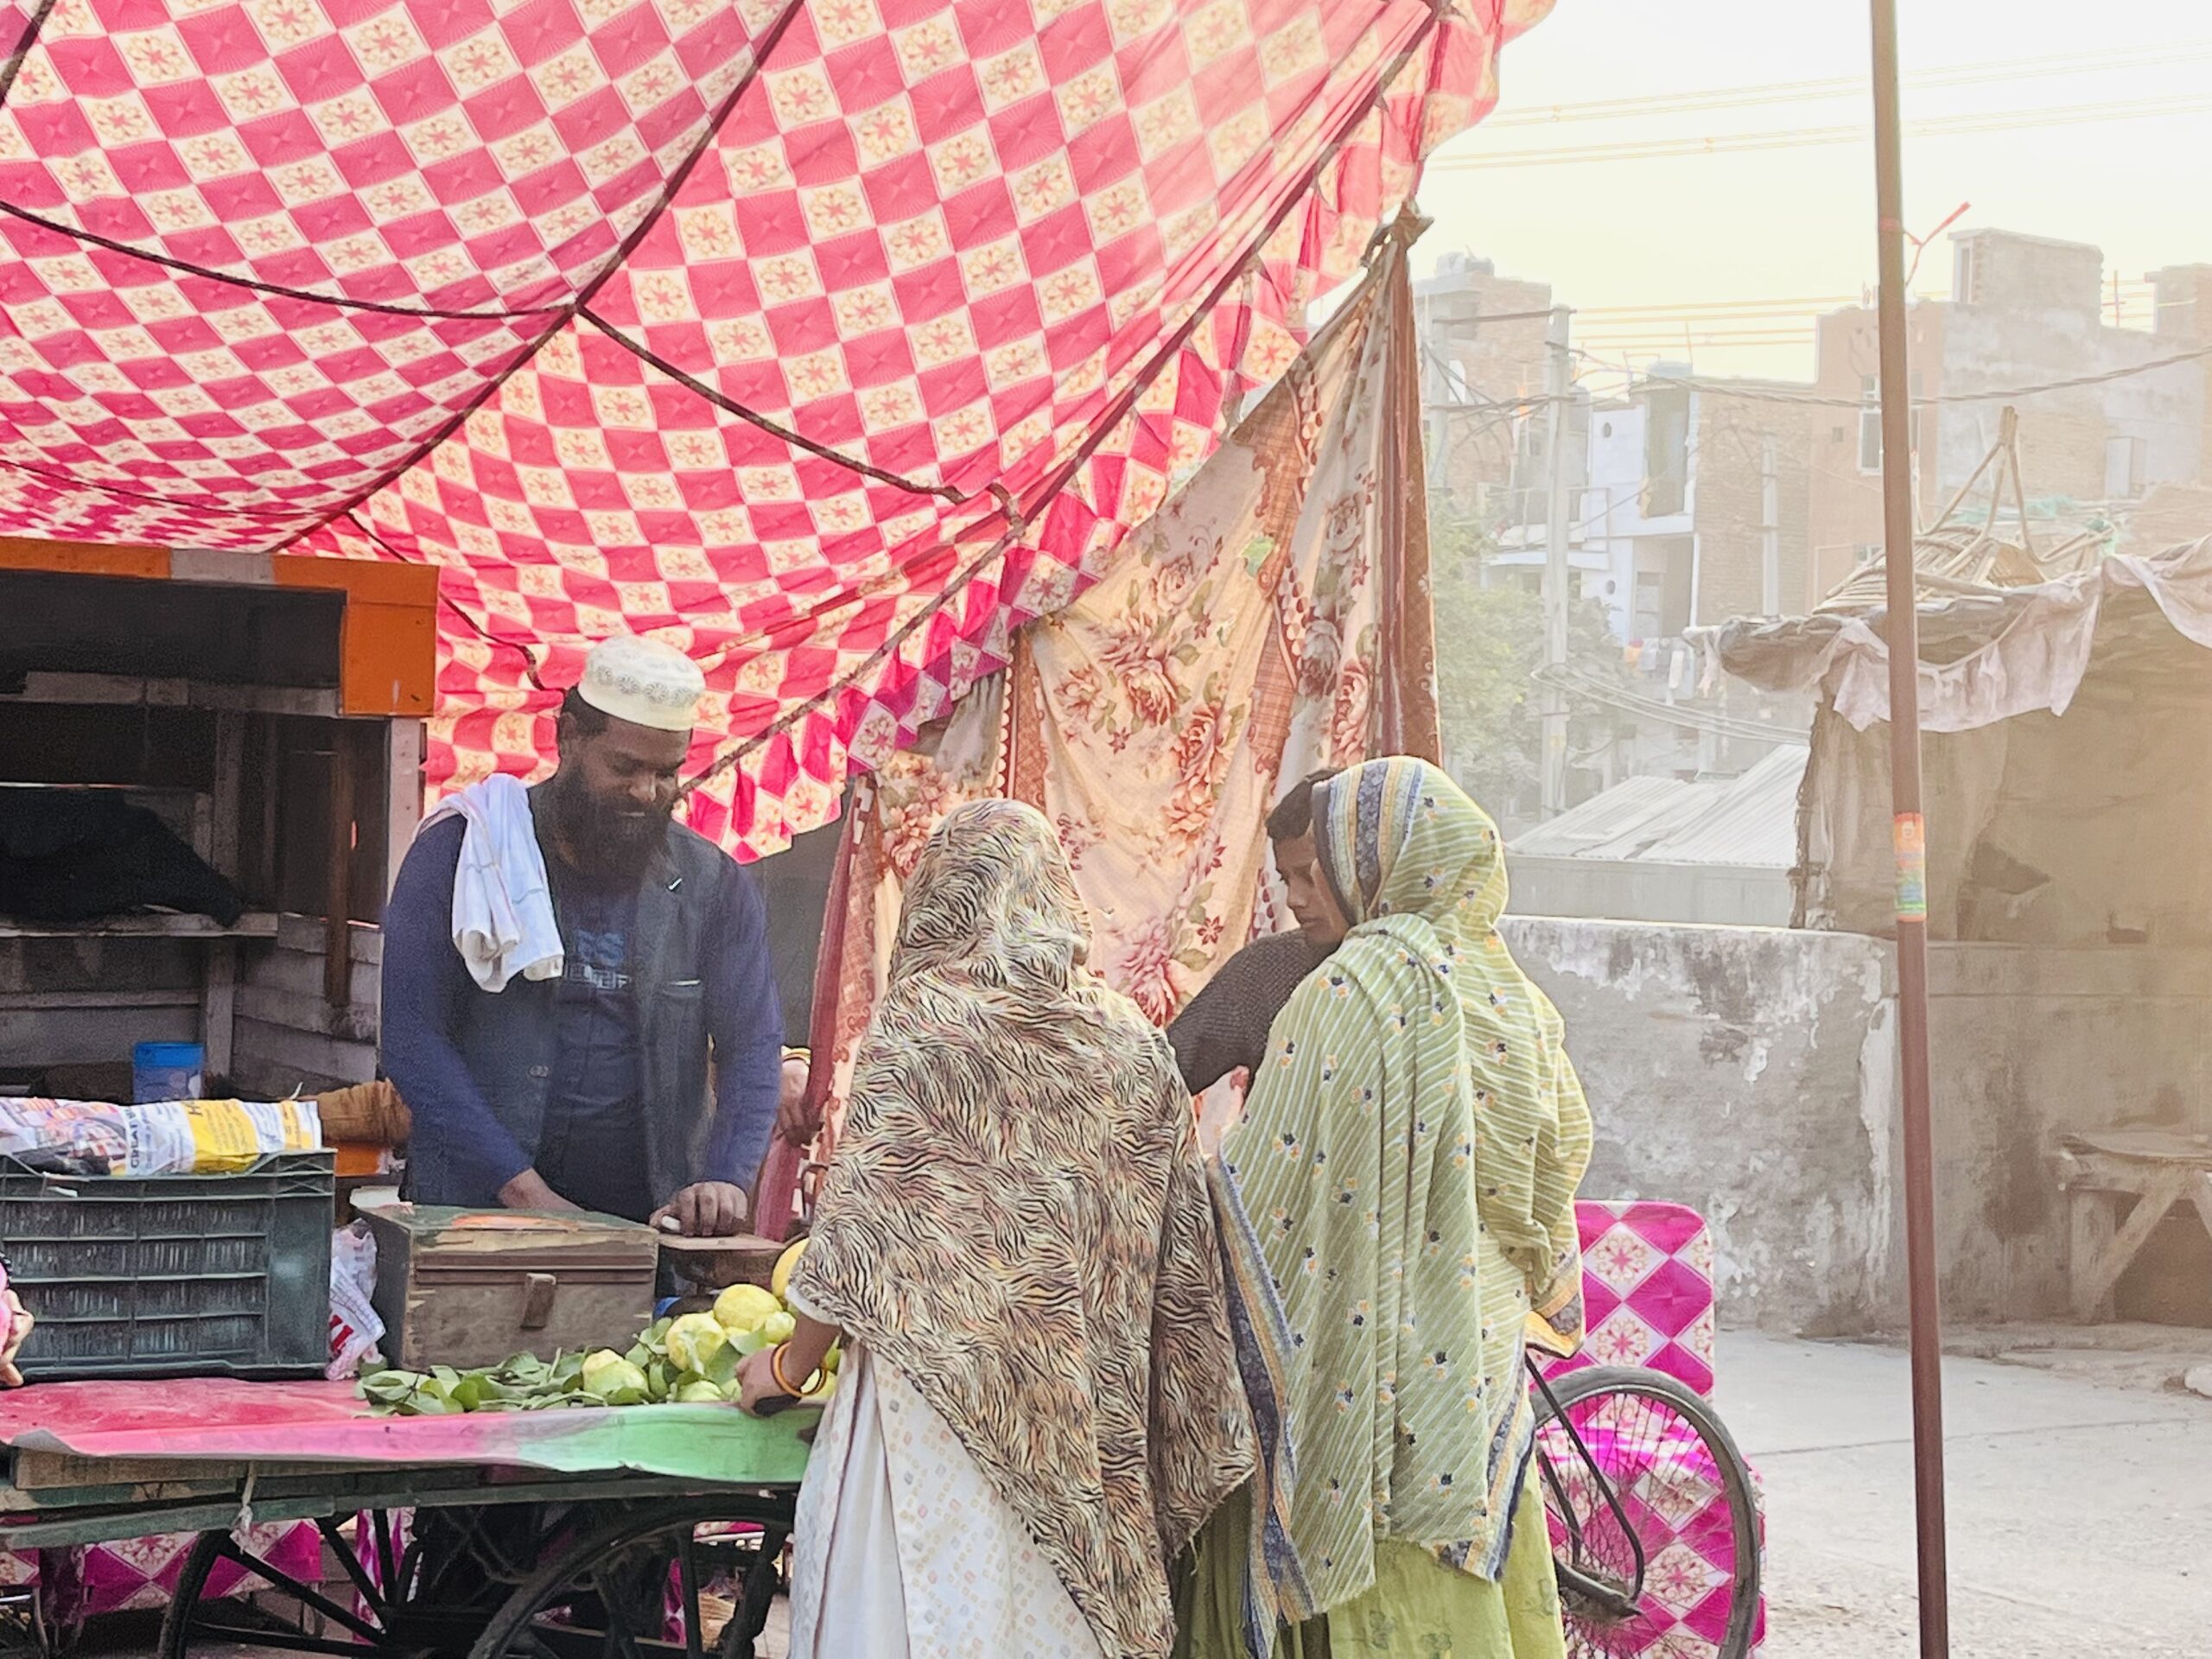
<point>1409,1158</point>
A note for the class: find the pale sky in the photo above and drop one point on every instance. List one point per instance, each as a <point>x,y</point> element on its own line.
<point>1796,223</point>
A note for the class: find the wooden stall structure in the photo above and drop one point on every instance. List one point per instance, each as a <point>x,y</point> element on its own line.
<point>269,710</point>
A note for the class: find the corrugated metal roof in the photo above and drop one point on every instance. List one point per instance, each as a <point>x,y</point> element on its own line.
<point>1752,824</point>
<point>1605,819</point>
<point>1749,822</point>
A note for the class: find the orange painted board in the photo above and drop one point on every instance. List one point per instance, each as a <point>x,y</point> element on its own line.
<point>83,558</point>
<point>388,649</point>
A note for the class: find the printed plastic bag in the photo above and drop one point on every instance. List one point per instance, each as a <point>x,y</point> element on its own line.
<point>174,1137</point>
<point>355,1329</point>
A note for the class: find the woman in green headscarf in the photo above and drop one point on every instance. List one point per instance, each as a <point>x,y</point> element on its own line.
<point>1409,1158</point>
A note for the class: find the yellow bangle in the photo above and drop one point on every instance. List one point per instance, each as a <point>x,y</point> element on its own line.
<point>776,1370</point>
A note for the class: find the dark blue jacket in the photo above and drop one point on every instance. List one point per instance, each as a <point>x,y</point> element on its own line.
<point>475,1068</point>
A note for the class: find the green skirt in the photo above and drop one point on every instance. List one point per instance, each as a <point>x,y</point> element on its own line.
<point>1417,1607</point>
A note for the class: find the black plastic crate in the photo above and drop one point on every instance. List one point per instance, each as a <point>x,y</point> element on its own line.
<point>173,1275</point>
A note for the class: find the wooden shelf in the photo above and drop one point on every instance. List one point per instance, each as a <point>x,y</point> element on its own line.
<point>254,924</point>
<point>126,690</point>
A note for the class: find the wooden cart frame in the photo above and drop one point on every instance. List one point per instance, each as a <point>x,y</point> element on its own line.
<point>551,1535</point>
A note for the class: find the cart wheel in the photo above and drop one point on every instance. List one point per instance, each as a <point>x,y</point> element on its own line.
<point>620,1590</point>
<point>430,1598</point>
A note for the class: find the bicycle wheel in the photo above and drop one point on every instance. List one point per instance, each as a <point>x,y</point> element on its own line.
<point>1655,1530</point>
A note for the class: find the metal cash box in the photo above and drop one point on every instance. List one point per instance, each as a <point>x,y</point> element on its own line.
<point>468,1288</point>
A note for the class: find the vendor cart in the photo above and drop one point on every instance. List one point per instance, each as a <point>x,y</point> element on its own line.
<point>554,1535</point>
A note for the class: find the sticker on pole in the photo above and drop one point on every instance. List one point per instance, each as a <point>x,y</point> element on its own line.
<point>1911,837</point>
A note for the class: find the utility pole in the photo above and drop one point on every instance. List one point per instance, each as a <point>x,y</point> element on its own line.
<point>1558,381</point>
<point>1436,393</point>
<point>1901,631</point>
<point>1770,534</point>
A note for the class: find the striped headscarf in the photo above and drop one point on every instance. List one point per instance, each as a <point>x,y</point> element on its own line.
<point>1410,1157</point>
<point>1018,1222</point>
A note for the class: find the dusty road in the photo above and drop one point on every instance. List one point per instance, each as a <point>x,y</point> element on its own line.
<point>2081,1511</point>
<point>2080,1501</point>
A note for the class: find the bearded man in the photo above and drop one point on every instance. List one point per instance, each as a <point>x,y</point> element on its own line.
<point>623,1056</point>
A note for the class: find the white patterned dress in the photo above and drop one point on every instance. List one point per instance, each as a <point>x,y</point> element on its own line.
<point>903,1550</point>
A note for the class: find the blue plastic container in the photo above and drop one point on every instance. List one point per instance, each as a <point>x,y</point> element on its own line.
<point>165,1071</point>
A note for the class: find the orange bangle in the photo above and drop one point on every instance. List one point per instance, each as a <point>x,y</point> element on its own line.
<point>776,1370</point>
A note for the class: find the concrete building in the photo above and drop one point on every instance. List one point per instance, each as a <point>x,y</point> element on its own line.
<point>2024,311</point>
<point>1482,348</point>
<point>1696,504</point>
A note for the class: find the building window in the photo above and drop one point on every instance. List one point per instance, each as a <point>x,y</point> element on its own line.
<point>1662,586</point>
<point>1869,421</point>
<point>1965,274</point>
<point>2123,468</point>
<point>1651,602</point>
<point>1666,450</point>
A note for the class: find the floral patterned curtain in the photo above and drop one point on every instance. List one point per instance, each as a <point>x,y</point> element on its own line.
<point>1271,618</point>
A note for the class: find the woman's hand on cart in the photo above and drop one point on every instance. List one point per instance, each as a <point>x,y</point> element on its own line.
<point>790,1372</point>
<point>760,1392</point>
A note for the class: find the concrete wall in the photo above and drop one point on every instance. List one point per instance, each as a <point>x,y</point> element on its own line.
<point>1751,1074</point>
<point>1745,1073</point>
<point>2032,1043</point>
<point>1723,895</point>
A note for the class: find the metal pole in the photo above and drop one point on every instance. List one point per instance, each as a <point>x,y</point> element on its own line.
<point>1770,533</point>
<point>1558,380</point>
<point>1910,840</point>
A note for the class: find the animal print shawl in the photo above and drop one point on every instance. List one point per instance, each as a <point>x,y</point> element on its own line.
<point>1409,1158</point>
<point>1018,1222</point>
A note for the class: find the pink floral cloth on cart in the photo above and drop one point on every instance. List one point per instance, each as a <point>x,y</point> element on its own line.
<point>80,1583</point>
<point>1647,1284</point>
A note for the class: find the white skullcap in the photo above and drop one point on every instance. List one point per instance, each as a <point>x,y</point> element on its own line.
<point>643,682</point>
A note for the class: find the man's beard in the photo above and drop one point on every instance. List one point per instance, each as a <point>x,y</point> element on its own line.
<point>611,839</point>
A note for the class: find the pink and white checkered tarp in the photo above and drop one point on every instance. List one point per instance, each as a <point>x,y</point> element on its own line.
<point>834,339</point>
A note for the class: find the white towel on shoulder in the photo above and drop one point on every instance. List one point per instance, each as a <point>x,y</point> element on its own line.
<point>502,921</point>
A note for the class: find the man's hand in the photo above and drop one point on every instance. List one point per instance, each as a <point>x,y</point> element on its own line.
<point>19,1329</point>
<point>708,1209</point>
<point>529,1190</point>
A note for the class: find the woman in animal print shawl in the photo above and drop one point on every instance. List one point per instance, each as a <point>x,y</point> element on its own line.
<point>1041,1402</point>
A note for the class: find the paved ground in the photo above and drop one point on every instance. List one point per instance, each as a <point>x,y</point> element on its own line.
<point>2080,1512</point>
<point>2080,1483</point>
